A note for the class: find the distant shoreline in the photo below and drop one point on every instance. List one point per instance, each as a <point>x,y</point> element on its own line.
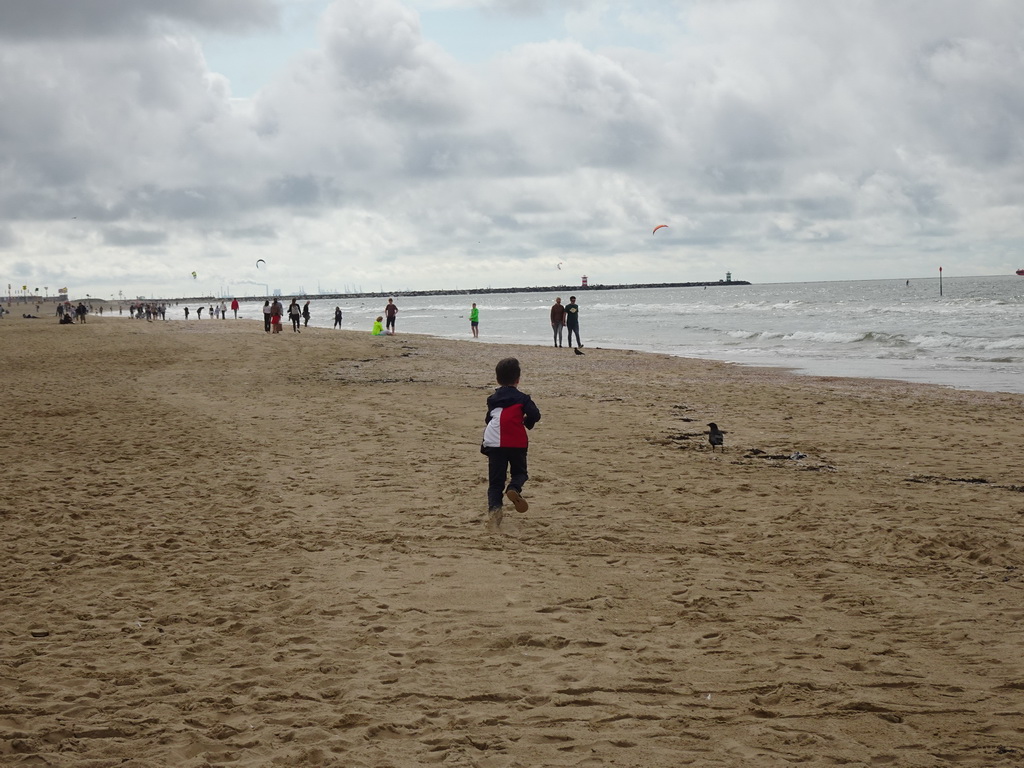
<point>441,292</point>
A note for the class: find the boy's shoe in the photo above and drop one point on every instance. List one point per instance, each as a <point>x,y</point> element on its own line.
<point>517,500</point>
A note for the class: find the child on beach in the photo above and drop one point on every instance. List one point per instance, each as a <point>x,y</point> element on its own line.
<point>509,414</point>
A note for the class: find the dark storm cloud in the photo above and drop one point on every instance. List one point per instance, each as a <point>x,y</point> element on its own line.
<point>89,18</point>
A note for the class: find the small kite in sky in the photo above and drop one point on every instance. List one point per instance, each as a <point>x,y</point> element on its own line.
<point>659,227</point>
<point>194,276</point>
<point>260,261</point>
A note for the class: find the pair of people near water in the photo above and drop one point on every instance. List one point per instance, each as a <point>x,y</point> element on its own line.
<point>384,325</point>
<point>567,317</point>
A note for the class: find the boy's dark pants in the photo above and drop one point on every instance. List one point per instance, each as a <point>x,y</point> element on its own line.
<point>500,460</point>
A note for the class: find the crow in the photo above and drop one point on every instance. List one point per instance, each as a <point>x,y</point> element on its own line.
<point>577,351</point>
<point>715,436</point>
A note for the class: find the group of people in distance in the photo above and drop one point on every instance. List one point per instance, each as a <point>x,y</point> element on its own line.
<point>563,318</point>
<point>217,311</point>
<point>274,311</point>
<point>148,311</point>
<point>66,314</point>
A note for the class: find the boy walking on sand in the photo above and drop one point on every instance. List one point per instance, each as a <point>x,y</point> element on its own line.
<point>509,414</point>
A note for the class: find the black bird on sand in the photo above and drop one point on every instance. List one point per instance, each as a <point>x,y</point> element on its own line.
<point>577,350</point>
<point>715,436</point>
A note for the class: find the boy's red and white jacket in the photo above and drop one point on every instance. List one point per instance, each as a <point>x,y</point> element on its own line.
<point>509,414</point>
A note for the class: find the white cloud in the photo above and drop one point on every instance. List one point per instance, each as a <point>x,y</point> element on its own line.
<point>779,139</point>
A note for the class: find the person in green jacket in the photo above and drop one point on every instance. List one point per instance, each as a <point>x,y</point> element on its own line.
<point>474,321</point>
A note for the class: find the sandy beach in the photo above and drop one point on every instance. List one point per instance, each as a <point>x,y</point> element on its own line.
<point>222,547</point>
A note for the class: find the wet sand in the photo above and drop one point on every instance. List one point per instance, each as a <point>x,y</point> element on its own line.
<point>228,548</point>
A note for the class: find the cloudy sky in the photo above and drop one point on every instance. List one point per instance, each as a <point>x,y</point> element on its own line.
<point>428,144</point>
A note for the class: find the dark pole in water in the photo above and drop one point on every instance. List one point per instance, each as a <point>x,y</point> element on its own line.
<point>940,281</point>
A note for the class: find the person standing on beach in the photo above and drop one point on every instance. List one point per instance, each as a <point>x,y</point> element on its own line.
<point>572,321</point>
<point>295,315</point>
<point>389,312</point>
<point>199,313</point>
<point>557,320</point>
<point>186,313</point>
<point>234,307</point>
<point>223,311</point>
<point>510,413</point>
<point>305,315</point>
<point>474,321</point>
<point>276,311</point>
<point>337,317</point>
<point>267,311</point>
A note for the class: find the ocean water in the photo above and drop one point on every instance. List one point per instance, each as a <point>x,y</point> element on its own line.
<point>970,337</point>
